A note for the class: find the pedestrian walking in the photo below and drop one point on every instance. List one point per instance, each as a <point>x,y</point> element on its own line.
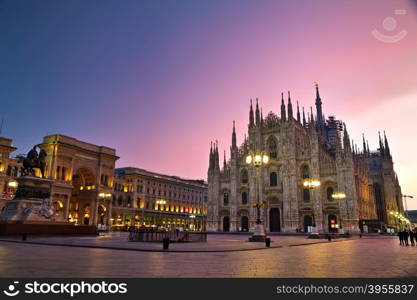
<point>406,237</point>
<point>401,237</point>
<point>411,234</point>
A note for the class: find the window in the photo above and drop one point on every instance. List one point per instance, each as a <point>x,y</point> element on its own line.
<point>225,198</point>
<point>244,176</point>
<point>273,179</point>
<point>272,147</point>
<point>305,172</point>
<point>329,193</point>
<point>306,195</point>
<point>64,170</point>
<point>244,197</point>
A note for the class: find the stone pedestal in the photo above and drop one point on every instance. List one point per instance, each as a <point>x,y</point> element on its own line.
<point>258,234</point>
<point>33,212</point>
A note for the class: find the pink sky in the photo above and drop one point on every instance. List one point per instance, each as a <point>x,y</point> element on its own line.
<point>159,82</point>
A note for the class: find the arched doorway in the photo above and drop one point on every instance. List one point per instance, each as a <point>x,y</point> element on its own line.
<point>226,224</point>
<point>244,223</point>
<point>274,220</point>
<point>101,215</point>
<point>308,221</point>
<point>87,215</point>
<point>332,219</point>
<point>82,196</point>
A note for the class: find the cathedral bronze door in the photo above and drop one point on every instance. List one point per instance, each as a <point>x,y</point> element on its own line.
<point>274,220</point>
<point>308,221</point>
<point>332,223</point>
<point>244,220</point>
<point>226,224</point>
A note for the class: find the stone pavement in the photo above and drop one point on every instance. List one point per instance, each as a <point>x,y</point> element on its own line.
<point>215,242</point>
<point>366,257</point>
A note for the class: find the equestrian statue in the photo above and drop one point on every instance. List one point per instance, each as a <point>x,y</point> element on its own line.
<point>34,160</point>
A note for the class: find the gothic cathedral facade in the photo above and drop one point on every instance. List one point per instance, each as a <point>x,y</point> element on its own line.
<point>302,150</point>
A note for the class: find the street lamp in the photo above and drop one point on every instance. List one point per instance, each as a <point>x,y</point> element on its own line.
<point>340,196</point>
<point>161,202</point>
<point>405,200</point>
<point>311,184</point>
<point>257,160</point>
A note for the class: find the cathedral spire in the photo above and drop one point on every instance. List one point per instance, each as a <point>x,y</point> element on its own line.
<point>211,163</point>
<point>262,118</point>
<point>364,144</point>
<point>258,117</point>
<point>283,114</point>
<point>311,116</point>
<point>224,161</point>
<point>304,118</point>
<point>234,136</point>
<point>298,113</point>
<point>346,138</point>
<point>251,118</point>
<point>216,156</point>
<point>387,150</point>
<point>319,109</point>
<point>290,116</point>
<point>381,145</point>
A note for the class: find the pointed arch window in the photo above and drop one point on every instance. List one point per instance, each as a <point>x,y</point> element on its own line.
<point>272,147</point>
<point>244,176</point>
<point>306,195</point>
<point>305,172</point>
<point>226,198</point>
<point>244,198</point>
<point>273,179</point>
<point>329,193</point>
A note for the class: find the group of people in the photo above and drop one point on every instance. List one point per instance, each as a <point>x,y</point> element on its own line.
<point>407,235</point>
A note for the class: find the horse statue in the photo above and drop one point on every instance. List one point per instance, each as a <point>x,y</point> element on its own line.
<point>34,160</point>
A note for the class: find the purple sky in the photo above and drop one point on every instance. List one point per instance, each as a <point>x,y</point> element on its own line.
<point>158,80</point>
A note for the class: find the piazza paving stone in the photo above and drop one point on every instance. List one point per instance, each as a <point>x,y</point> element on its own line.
<point>366,257</point>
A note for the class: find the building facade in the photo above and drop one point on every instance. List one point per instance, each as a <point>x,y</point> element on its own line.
<point>300,151</point>
<point>143,198</point>
<point>87,189</point>
<point>9,169</point>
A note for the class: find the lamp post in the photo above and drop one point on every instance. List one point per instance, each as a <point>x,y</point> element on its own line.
<point>405,200</point>
<point>161,202</point>
<point>257,160</point>
<point>340,196</point>
<point>311,184</point>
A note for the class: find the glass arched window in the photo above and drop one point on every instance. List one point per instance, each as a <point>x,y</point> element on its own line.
<point>306,195</point>
<point>305,172</point>
<point>244,176</point>
<point>272,147</point>
<point>225,198</point>
<point>329,192</point>
<point>244,197</point>
<point>273,179</point>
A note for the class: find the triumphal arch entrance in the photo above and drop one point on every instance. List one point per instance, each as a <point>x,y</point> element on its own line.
<point>83,179</point>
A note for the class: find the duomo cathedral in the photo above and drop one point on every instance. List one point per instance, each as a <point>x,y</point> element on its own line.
<point>356,190</point>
